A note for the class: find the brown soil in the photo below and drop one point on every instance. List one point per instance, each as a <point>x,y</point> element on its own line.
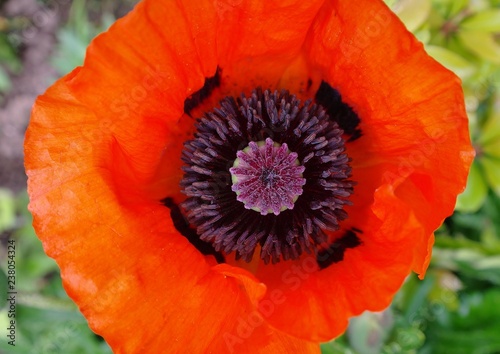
<point>36,42</point>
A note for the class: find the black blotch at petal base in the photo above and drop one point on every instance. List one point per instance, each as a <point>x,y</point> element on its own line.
<point>211,83</point>
<point>335,252</point>
<point>331,100</point>
<point>182,226</point>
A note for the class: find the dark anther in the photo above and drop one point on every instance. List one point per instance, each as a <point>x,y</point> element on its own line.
<point>199,96</point>
<point>309,84</point>
<point>182,226</point>
<point>340,112</point>
<point>335,252</point>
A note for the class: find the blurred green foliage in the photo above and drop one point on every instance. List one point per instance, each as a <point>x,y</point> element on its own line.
<point>74,38</point>
<point>455,309</point>
<point>9,59</point>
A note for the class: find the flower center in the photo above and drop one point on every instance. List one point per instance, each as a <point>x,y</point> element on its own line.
<point>266,173</point>
<point>267,177</point>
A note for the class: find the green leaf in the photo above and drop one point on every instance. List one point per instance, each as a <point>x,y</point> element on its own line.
<point>8,55</point>
<point>490,134</point>
<point>409,338</point>
<point>492,262</point>
<point>482,44</point>
<point>3,288</point>
<point>475,193</point>
<point>4,81</point>
<point>335,347</point>
<point>49,331</point>
<point>413,13</point>
<point>390,3</point>
<point>423,34</point>
<point>469,263</point>
<point>71,51</point>
<point>457,6</point>
<point>491,169</point>
<point>416,297</point>
<point>487,20</point>
<point>473,328</point>
<point>75,37</point>
<point>450,8</point>
<point>451,60</point>
<point>490,240</point>
<point>448,242</point>
<point>445,290</point>
<point>7,210</point>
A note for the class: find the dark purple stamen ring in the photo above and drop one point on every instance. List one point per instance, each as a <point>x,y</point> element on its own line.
<point>268,173</point>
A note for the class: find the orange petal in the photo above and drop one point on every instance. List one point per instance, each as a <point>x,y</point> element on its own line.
<point>410,164</point>
<point>257,42</point>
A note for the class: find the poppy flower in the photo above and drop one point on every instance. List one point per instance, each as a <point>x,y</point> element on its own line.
<point>244,176</point>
